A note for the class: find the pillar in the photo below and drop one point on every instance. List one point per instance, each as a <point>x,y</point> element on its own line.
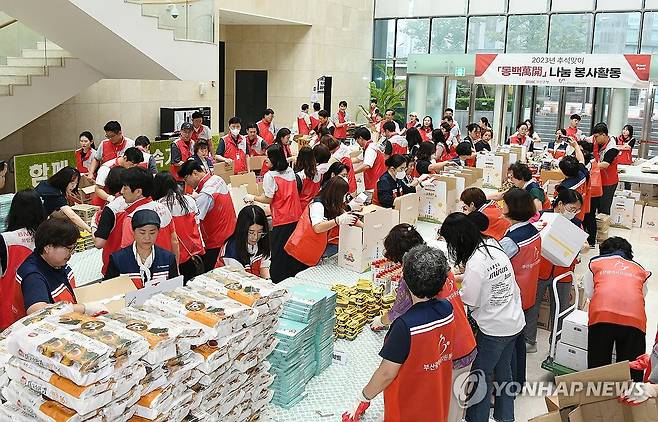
<point>618,110</point>
<point>500,107</point>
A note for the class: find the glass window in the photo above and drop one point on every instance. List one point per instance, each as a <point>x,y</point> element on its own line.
<point>391,9</point>
<point>525,6</point>
<point>381,69</point>
<point>448,35</point>
<point>572,6</point>
<point>527,34</point>
<point>413,37</point>
<point>478,7</point>
<point>610,29</point>
<point>384,35</point>
<point>401,71</point>
<point>425,96</point>
<point>486,34</point>
<point>570,33</point>
<point>618,5</point>
<point>650,33</point>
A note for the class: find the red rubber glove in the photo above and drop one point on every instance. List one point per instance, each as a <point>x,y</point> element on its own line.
<point>362,404</point>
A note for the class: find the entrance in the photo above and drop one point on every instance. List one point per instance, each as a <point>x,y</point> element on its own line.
<point>250,94</point>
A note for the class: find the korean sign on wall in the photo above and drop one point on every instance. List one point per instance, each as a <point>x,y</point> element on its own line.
<point>161,151</point>
<point>587,70</point>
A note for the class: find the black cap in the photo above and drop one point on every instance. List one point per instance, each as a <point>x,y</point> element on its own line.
<point>143,218</point>
<point>186,126</point>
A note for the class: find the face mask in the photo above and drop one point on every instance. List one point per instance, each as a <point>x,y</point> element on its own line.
<point>235,132</point>
<point>400,175</point>
<point>569,215</point>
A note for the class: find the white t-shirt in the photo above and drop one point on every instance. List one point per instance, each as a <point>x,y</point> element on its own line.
<point>489,289</point>
<point>316,210</point>
<point>370,155</point>
<point>104,170</point>
<point>269,184</point>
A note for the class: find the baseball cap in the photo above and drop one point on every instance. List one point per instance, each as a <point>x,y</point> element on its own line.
<point>143,218</point>
<point>187,126</point>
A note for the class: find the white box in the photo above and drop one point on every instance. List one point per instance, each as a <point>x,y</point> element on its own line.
<point>574,329</point>
<point>358,247</point>
<point>572,357</point>
<point>561,240</point>
<point>433,199</point>
<point>408,206</point>
<point>621,212</point>
<point>650,216</point>
<point>492,170</point>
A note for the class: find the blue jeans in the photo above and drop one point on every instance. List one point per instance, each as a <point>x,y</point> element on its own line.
<point>331,250</point>
<point>494,361</point>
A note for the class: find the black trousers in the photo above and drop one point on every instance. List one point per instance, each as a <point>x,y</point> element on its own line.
<point>210,258</point>
<point>283,266</point>
<point>628,341</point>
<point>188,271</point>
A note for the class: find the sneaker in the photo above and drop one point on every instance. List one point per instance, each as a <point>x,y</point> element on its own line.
<point>531,348</point>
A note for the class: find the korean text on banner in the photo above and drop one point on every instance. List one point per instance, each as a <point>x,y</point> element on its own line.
<point>31,169</point>
<point>586,70</point>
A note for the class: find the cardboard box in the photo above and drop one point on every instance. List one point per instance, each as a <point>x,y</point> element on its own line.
<point>408,206</point>
<point>650,216</point>
<point>223,170</point>
<point>574,329</point>
<point>544,320</point>
<point>621,212</point>
<point>638,210</point>
<point>570,356</point>
<point>549,417</point>
<point>616,373</point>
<point>561,240</point>
<point>494,172</point>
<point>521,152</point>
<point>255,164</point>
<point>358,247</point>
<point>237,196</point>
<point>452,195</point>
<point>613,411</point>
<point>547,175</point>
<point>111,292</point>
<point>433,199</point>
<point>248,179</point>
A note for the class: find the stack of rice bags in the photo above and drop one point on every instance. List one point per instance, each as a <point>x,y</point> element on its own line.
<point>71,367</point>
<point>247,368</point>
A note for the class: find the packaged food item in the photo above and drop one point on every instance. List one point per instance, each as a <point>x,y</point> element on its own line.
<point>190,333</point>
<point>12,413</point>
<point>35,404</point>
<point>151,406</point>
<point>56,309</point>
<point>126,380</point>
<point>213,356</point>
<point>244,287</point>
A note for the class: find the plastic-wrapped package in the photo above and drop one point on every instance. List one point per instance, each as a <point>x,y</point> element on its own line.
<point>56,309</point>
<point>152,405</point>
<point>43,409</point>
<point>12,413</point>
<point>191,333</point>
<point>241,286</point>
<point>126,380</point>
<point>213,356</point>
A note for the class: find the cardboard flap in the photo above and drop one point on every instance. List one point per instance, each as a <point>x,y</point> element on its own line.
<point>618,373</point>
<point>376,225</point>
<point>237,196</point>
<point>605,411</point>
<point>248,179</point>
<point>223,170</point>
<point>88,190</point>
<point>255,163</point>
<point>549,417</point>
<point>112,292</point>
<point>451,182</point>
<point>408,206</point>
<point>85,182</point>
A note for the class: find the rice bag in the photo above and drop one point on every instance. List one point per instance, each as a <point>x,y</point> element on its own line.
<point>56,309</point>
<point>213,356</point>
<point>35,404</point>
<point>82,400</point>
<point>153,404</point>
<point>70,354</point>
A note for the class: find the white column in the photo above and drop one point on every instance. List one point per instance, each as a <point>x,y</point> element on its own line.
<point>618,110</point>
<point>500,107</point>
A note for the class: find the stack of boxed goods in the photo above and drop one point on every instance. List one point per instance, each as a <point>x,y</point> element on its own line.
<point>85,241</point>
<point>86,212</point>
<point>387,274</point>
<point>5,204</point>
<point>622,211</point>
<point>359,305</point>
<point>571,350</point>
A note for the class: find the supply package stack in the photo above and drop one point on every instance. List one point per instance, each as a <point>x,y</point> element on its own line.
<point>5,203</point>
<point>358,305</point>
<point>85,241</point>
<point>387,274</point>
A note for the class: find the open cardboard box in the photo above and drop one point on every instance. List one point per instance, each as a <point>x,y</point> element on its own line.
<point>594,407</point>
<point>546,175</point>
<point>433,199</point>
<point>223,170</point>
<point>255,163</point>
<point>111,292</point>
<point>494,169</point>
<point>248,179</point>
<point>408,207</point>
<point>358,247</point>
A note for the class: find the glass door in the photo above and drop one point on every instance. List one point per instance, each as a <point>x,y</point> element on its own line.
<point>485,97</point>
<point>425,96</point>
<point>458,97</point>
<point>579,101</point>
<point>546,111</point>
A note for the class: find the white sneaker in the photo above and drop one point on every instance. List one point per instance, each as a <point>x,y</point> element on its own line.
<point>531,348</point>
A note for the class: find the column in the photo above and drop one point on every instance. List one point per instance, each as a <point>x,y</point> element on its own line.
<point>618,110</point>
<point>500,107</point>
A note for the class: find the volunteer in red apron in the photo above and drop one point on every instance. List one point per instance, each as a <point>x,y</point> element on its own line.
<point>426,129</point>
<point>130,159</point>
<point>323,124</point>
<point>257,145</point>
<point>112,147</point>
<point>341,153</point>
<point>394,143</point>
<point>56,190</point>
<point>616,319</point>
<point>521,176</point>
<point>576,178</point>
<point>202,156</point>
<point>473,136</point>
<point>558,148</point>
<point>144,144</point>
<point>606,155</point>
<point>232,148</point>
<point>625,145</point>
<point>391,184</point>
<point>26,213</point>
<point>454,132</point>
<point>185,214</point>
<point>568,204</point>
<point>412,123</point>
<point>304,121</point>
<point>371,163</point>
<point>521,137</point>
<point>216,210</point>
<point>522,244</point>
<point>108,233</point>
<point>342,121</point>
<point>137,190</point>
<point>308,176</point>
<point>84,156</point>
<point>415,373</point>
<point>464,155</point>
<point>145,263</point>
<point>45,277</point>
<point>450,140</point>
<point>280,192</point>
<point>474,199</point>
<point>249,247</point>
<point>200,132</point>
<point>572,131</point>
<point>484,143</point>
<point>425,163</point>
<point>181,150</point>
<point>266,128</point>
<point>314,117</point>
<point>316,234</point>
<point>283,139</point>
<point>442,145</point>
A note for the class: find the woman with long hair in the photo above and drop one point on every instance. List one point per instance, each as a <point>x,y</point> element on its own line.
<point>489,290</point>
<point>283,139</point>
<point>414,139</point>
<point>306,171</point>
<point>426,128</point>
<point>185,215</point>
<point>425,161</point>
<point>54,193</point>
<point>341,153</point>
<point>85,154</point>
<point>442,152</point>
<point>625,145</point>
<point>26,213</point>
<point>249,246</point>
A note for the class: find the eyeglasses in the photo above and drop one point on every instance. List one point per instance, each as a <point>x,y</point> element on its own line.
<point>71,248</point>
<point>572,209</point>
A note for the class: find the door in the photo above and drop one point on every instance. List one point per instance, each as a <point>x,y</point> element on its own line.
<point>458,97</point>
<point>250,94</point>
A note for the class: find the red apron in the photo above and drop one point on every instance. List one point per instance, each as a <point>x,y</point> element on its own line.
<point>624,157</point>
<point>340,132</point>
<point>371,176</point>
<point>185,154</point>
<point>19,245</point>
<point>526,269</point>
<point>304,244</point>
<point>609,176</point>
<point>264,131</point>
<point>235,153</point>
<point>219,222</point>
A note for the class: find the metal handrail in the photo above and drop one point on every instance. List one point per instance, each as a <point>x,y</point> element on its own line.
<point>6,24</point>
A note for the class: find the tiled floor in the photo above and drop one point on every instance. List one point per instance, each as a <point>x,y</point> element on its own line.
<point>334,390</point>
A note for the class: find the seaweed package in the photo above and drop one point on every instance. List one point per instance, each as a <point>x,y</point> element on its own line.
<point>243,287</point>
<point>190,333</point>
<point>82,400</point>
<point>41,408</point>
<point>46,313</point>
<point>240,315</point>
<point>70,354</point>
<point>127,346</point>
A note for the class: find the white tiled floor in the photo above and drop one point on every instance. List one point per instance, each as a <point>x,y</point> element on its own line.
<point>86,266</point>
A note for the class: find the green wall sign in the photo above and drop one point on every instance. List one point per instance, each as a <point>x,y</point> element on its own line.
<point>31,169</point>
<point>161,151</point>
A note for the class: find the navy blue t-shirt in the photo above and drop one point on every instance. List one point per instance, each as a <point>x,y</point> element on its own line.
<point>42,283</point>
<point>53,198</point>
